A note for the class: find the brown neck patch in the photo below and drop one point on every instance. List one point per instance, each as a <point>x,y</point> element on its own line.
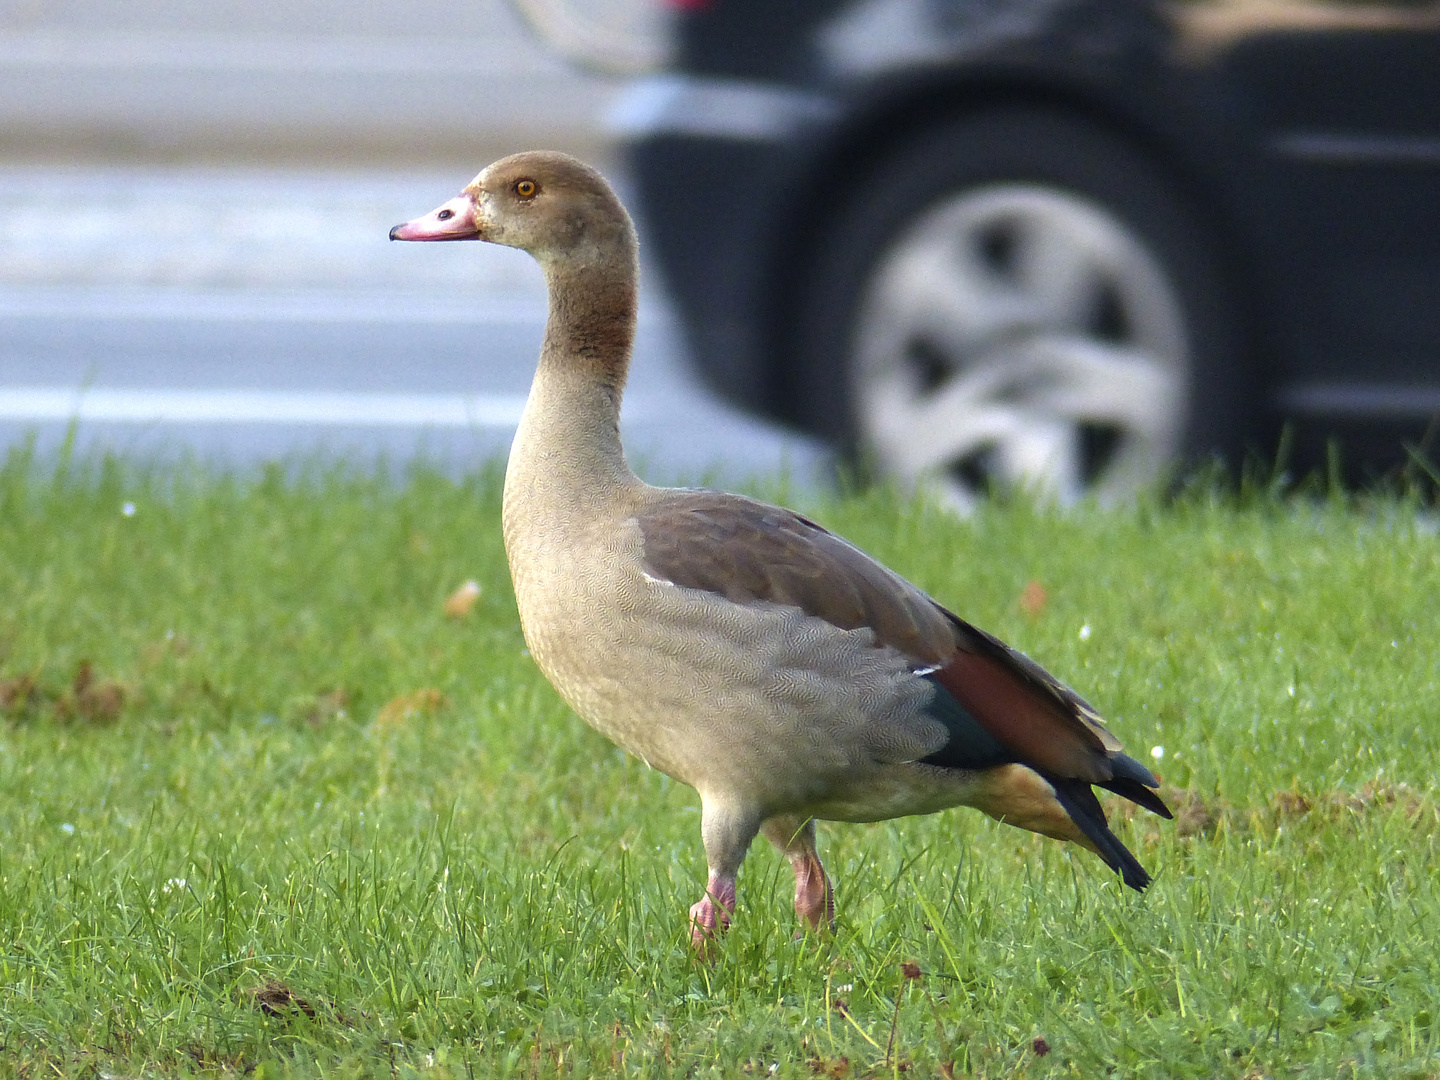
<point>592,319</point>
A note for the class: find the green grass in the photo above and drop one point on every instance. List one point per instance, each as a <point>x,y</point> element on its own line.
<point>216,855</point>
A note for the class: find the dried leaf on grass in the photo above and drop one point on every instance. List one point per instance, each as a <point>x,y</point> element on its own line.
<point>462,600</point>
<point>18,694</point>
<point>1195,815</point>
<point>1372,795</point>
<point>99,701</point>
<point>274,998</point>
<point>408,706</point>
<point>1033,598</point>
<point>1200,815</point>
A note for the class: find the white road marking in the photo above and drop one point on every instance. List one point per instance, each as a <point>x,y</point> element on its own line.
<point>299,306</point>
<point>186,305</point>
<point>317,407</point>
<point>157,50</point>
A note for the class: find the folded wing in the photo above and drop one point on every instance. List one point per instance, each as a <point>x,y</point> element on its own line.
<point>1000,708</point>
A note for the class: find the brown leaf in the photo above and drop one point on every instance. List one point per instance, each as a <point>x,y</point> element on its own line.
<point>1040,1046</point>
<point>1373,795</point>
<point>17,694</point>
<point>1402,795</point>
<point>1193,815</point>
<point>910,969</point>
<point>408,706</point>
<point>1291,804</point>
<point>277,999</point>
<point>462,600</point>
<point>101,702</point>
<point>1032,599</point>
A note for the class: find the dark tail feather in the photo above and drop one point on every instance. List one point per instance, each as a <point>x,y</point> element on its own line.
<point>1138,793</point>
<point>1135,782</point>
<point>1084,809</point>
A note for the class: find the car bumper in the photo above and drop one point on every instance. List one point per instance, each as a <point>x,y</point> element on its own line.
<point>713,162</point>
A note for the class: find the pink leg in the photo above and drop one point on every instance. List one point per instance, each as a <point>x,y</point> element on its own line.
<point>727,832</point>
<point>711,916</point>
<point>814,898</point>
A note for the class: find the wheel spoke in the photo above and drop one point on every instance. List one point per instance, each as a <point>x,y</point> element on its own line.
<point>917,433</point>
<point>1043,454</point>
<point>1089,380</point>
<point>933,292</point>
<point>1057,272</point>
<point>1028,407</point>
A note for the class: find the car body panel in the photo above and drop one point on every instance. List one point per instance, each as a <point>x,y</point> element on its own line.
<point>1306,136</point>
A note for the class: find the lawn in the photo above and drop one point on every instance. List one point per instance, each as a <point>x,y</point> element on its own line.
<point>267,808</point>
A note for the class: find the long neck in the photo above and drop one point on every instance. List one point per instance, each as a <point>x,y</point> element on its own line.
<point>567,454</point>
<point>591,327</point>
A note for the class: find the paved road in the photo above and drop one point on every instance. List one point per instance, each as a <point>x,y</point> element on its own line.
<point>386,81</point>
<point>248,314</point>
<point>253,308</point>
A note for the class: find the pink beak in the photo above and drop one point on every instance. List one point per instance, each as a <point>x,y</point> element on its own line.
<point>453,221</point>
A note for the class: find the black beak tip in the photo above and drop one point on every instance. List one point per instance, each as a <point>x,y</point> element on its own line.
<point>393,231</point>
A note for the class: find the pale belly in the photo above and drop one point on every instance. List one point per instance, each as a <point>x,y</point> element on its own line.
<point>762,703</point>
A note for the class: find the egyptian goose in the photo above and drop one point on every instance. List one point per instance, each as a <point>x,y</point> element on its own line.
<point>738,647</point>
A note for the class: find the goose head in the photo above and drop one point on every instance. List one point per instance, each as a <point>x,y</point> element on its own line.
<point>546,203</point>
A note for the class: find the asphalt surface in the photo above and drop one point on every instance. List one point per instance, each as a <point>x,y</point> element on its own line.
<point>194,201</point>
<point>387,81</point>
<point>243,315</point>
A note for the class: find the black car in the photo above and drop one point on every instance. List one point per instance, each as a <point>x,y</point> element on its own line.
<point>1064,242</point>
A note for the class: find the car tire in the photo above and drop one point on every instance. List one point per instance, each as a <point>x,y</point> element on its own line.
<point>1019,298</point>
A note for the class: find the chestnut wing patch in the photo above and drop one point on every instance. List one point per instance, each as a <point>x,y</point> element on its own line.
<point>1044,685</point>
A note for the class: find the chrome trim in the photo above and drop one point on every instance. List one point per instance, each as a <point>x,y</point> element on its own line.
<point>726,108</point>
<point>1332,148</point>
<point>1359,401</point>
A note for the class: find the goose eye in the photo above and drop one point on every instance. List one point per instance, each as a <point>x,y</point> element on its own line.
<point>445,215</point>
<point>525,188</point>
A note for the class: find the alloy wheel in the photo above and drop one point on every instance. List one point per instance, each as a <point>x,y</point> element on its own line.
<point>1019,335</point>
